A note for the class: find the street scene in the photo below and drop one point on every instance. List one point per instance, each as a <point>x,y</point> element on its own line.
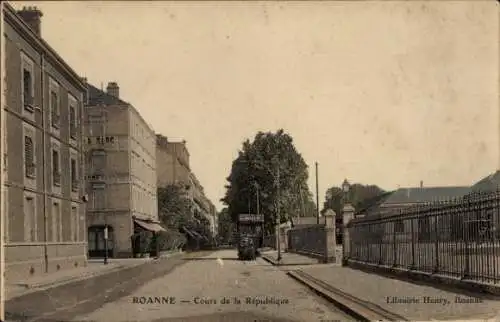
<point>251,161</point>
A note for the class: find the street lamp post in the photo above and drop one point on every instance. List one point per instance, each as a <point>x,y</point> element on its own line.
<point>345,188</point>
<point>317,195</point>
<point>257,196</point>
<point>106,244</point>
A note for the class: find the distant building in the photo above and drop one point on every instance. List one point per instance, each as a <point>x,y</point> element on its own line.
<point>488,184</point>
<point>44,212</point>
<point>173,168</point>
<point>391,202</point>
<point>121,172</point>
<point>395,202</point>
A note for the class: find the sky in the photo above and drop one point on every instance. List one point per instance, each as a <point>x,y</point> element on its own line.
<point>387,93</point>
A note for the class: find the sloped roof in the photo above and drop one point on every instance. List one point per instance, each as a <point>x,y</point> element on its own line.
<point>373,203</point>
<point>426,194</point>
<point>489,183</point>
<point>96,96</point>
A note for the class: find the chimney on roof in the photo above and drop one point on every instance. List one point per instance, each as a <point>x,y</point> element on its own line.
<point>113,89</point>
<point>421,184</point>
<point>32,16</point>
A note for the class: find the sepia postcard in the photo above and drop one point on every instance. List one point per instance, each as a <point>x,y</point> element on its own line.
<point>280,161</point>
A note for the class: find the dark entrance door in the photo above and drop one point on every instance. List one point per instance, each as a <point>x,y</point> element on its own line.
<point>96,241</point>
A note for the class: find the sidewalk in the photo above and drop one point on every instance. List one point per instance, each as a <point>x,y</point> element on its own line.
<point>288,259</point>
<point>95,267</point>
<point>412,301</point>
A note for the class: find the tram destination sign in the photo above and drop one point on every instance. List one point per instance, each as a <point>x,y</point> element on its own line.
<point>251,218</point>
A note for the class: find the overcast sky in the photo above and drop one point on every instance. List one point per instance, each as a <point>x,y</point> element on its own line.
<point>386,93</point>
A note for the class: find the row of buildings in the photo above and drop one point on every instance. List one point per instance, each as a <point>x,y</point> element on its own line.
<point>76,158</point>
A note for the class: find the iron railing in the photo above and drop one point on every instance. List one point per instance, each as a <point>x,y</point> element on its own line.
<point>458,238</point>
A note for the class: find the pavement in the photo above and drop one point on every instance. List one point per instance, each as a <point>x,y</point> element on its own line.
<point>65,301</point>
<point>219,287</point>
<point>400,299</point>
<point>288,259</point>
<point>95,267</point>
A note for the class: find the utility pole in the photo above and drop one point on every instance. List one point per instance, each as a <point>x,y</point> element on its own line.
<point>278,234</point>
<point>317,195</point>
<point>257,192</point>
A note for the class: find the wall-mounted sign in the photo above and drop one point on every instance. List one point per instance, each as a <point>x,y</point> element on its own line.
<point>95,177</point>
<point>251,218</point>
<point>101,139</point>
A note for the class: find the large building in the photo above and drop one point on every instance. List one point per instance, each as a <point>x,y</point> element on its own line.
<point>45,227</point>
<point>121,172</point>
<point>173,168</point>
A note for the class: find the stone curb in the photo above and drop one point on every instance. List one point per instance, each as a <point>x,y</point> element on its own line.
<point>45,285</point>
<point>349,304</point>
<point>70,279</point>
<point>275,263</point>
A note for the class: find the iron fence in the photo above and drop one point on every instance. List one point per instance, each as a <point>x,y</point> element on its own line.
<point>458,238</point>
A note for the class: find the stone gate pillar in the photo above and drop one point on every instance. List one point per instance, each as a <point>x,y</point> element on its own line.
<point>330,238</point>
<point>347,216</point>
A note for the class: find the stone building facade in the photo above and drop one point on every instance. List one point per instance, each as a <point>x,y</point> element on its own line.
<point>173,168</point>
<point>44,211</point>
<point>121,172</point>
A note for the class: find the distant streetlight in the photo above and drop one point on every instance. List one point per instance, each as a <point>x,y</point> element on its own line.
<point>106,244</point>
<point>345,188</point>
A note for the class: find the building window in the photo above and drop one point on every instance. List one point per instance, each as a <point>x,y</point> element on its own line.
<point>28,86</point>
<point>74,224</point>
<point>29,157</point>
<point>98,162</point>
<point>30,223</point>
<point>56,172</point>
<point>55,112</point>
<point>98,197</point>
<point>72,122</point>
<point>74,175</point>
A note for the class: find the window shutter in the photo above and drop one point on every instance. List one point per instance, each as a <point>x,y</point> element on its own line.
<point>72,121</point>
<point>29,156</point>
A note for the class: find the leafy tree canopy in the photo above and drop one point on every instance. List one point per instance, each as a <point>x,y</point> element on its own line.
<point>255,173</point>
<point>359,196</point>
<point>226,226</point>
<point>174,208</point>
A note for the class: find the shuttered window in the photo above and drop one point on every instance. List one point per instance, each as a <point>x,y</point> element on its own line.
<point>54,109</point>
<point>27,87</point>
<point>56,174</point>
<point>72,122</point>
<point>74,176</point>
<point>29,157</point>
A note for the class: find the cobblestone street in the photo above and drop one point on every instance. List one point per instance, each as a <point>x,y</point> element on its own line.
<point>194,292</point>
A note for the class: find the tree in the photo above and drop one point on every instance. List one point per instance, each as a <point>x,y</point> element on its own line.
<point>359,196</point>
<point>226,226</point>
<point>255,172</point>
<point>174,208</point>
